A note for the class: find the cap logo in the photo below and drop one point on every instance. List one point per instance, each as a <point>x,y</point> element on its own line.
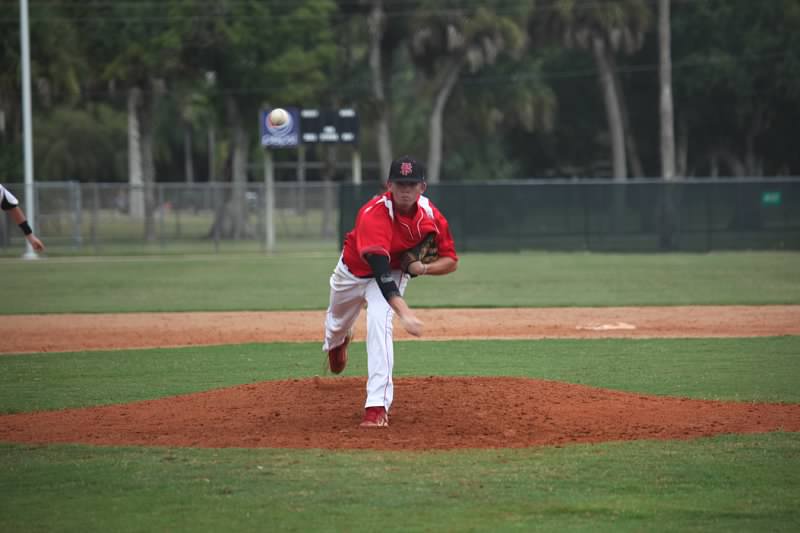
<point>405,169</point>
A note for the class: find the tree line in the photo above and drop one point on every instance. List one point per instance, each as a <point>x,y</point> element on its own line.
<point>147,91</point>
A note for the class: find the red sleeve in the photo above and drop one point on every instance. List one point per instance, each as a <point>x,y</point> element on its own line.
<point>374,230</point>
<point>447,246</point>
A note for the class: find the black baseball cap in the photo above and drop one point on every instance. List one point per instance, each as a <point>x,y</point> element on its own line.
<point>406,168</point>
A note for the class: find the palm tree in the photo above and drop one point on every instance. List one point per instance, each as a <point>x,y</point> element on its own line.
<point>604,29</point>
<point>385,32</point>
<point>58,68</point>
<point>665,78</point>
<point>449,37</point>
<point>80,143</point>
<point>380,57</point>
<point>668,226</point>
<point>133,57</point>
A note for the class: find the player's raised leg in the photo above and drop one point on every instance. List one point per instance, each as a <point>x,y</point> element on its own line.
<point>346,301</point>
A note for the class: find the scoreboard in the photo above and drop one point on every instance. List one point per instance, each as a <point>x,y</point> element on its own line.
<point>329,126</point>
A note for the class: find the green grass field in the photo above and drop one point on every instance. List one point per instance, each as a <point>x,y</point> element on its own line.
<point>730,482</point>
<point>753,369</point>
<point>718,484</point>
<point>300,281</point>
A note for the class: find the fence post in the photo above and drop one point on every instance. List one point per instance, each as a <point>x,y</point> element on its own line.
<point>301,180</point>
<point>328,229</point>
<point>161,209</point>
<point>709,218</point>
<point>95,210</point>
<point>356,167</point>
<point>668,223</point>
<point>269,201</point>
<point>584,205</point>
<point>219,201</point>
<point>75,194</point>
<point>177,206</point>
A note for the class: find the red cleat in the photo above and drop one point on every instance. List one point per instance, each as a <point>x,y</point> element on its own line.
<point>375,417</point>
<point>337,357</point>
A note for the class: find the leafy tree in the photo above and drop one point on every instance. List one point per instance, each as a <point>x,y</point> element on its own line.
<point>260,54</point>
<point>603,29</point>
<point>81,144</point>
<point>451,37</point>
<point>665,82</point>
<point>383,42</point>
<point>488,108</point>
<point>57,67</point>
<point>737,85</point>
<point>124,42</point>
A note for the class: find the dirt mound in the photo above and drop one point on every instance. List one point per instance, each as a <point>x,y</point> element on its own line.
<point>428,413</point>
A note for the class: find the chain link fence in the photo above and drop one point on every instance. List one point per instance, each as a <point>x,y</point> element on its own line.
<point>635,216</point>
<point>116,218</point>
<point>639,215</point>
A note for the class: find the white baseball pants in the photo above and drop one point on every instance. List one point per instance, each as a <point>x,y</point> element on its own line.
<point>348,295</point>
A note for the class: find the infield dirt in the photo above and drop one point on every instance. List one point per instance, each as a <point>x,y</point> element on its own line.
<point>72,332</point>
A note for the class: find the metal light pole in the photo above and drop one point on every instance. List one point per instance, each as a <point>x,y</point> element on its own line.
<point>30,205</point>
<point>269,201</point>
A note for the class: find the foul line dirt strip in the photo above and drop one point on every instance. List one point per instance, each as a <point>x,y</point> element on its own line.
<point>74,332</point>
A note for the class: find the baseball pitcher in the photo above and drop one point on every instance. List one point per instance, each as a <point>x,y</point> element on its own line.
<point>397,236</point>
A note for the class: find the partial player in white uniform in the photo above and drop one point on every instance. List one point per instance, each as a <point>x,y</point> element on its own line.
<point>10,204</point>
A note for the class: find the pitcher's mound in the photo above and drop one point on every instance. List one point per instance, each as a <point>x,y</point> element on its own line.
<point>428,413</point>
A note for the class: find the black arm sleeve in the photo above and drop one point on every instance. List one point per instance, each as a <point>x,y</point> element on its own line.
<point>383,275</point>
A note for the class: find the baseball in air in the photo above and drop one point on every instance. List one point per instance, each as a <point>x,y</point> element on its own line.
<point>278,116</point>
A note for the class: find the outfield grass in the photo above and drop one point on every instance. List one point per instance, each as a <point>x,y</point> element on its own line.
<point>732,483</point>
<point>300,281</point>
<point>742,483</point>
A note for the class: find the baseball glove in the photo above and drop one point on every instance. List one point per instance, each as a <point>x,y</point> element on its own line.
<point>426,251</point>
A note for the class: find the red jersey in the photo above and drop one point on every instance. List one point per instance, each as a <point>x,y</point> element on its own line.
<point>379,229</point>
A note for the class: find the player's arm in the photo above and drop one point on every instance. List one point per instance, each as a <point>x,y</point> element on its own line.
<point>18,216</point>
<point>383,276</point>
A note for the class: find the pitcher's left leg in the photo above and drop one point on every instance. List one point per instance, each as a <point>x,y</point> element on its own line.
<point>380,344</point>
